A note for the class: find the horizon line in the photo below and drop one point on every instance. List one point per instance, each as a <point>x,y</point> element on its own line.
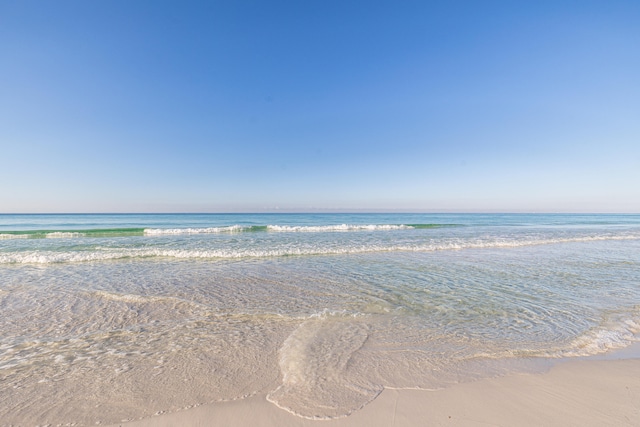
<point>329,211</point>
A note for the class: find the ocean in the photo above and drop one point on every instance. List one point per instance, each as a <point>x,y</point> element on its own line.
<point>113,317</point>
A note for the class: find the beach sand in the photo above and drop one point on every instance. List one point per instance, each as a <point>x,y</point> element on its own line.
<point>572,393</point>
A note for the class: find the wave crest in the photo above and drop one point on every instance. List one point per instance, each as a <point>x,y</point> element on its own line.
<point>49,257</point>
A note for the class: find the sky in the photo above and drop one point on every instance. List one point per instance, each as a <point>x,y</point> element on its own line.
<point>236,106</point>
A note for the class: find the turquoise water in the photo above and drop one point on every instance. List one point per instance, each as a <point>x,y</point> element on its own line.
<point>103,314</point>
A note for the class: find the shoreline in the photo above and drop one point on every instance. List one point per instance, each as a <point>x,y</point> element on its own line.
<point>321,323</point>
<point>593,391</point>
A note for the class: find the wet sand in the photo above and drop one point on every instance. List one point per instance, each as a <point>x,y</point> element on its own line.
<point>573,393</point>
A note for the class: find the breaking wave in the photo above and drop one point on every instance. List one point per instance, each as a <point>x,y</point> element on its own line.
<point>293,249</point>
<point>70,234</point>
<point>125,232</point>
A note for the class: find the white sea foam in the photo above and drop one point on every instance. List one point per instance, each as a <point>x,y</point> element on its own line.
<point>611,335</point>
<point>13,236</point>
<point>51,235</point>
<point>63,235</point>
<point>603,339</point>
<point>47,257</point>
<point>340,227</point>
<point>275,228</point>
<point>208,230</point>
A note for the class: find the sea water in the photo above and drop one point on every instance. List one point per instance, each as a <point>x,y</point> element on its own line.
<point>108,318</point>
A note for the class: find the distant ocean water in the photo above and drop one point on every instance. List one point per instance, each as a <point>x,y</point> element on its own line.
<point>114,317</point>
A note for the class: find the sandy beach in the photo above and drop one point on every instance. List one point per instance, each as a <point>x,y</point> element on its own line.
<point>573,393</point>
<point>388,320</point>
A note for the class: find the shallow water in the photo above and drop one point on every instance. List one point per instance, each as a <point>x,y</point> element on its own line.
<point>320,312</point>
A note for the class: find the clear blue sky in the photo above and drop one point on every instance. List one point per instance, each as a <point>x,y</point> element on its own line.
<point>121,106</point>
